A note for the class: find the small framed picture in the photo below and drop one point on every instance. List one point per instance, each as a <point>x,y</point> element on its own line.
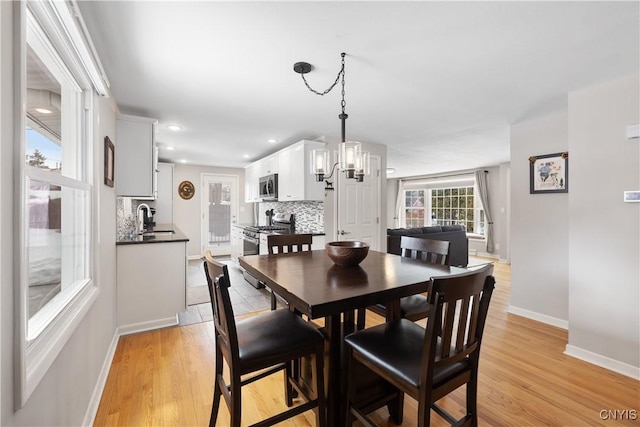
<point>109,161</point>
<point>549,173</point>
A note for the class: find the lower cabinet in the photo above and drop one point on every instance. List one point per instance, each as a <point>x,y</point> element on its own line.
<point>236,242</point>
<point>151,285</point>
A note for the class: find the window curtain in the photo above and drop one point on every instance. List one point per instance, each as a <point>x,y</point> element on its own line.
<point>483,190</point>
<point>397,219</point>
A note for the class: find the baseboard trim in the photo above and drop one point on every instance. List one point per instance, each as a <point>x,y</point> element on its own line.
<point>94,402</point>
<point>603,361</point>
<point>147,326</point>
<point>538,317</point>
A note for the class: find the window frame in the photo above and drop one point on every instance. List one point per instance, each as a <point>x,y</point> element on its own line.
<point>35,352</point>
<point>436,183</point>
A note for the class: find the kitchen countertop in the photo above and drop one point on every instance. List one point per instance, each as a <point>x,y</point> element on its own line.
<point>161,237</point>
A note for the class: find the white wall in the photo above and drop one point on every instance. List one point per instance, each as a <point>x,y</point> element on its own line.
<point>576,256</point>
<point>65,394</point>
<point>604,245</point>
<point>187,213</point>
<point>539,225</point>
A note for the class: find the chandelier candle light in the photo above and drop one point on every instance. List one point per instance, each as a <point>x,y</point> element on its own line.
<point>351,159</point>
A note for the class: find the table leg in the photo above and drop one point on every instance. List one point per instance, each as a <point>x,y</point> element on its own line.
<point>337,384</point>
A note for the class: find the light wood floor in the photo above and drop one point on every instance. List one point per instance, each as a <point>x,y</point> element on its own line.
<point>165,378</point>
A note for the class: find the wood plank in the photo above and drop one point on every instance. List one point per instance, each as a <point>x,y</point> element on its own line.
<point>165,378</point>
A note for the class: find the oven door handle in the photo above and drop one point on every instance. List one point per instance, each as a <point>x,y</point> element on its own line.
<point>251,239</point>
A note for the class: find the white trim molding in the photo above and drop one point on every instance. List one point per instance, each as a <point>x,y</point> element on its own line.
<point>538,317</point>
<point>603,361</point>
<point>96,396</point>
<point>134,328</point>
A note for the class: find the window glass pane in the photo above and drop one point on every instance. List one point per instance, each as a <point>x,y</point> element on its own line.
<point>44,115</point>
<point>57,246</point>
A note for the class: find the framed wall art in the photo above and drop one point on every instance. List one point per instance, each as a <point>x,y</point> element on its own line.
<point>109,161</point>
<point>549,173</point>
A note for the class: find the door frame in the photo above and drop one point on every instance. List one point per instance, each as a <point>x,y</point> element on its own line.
<point>204,200</point>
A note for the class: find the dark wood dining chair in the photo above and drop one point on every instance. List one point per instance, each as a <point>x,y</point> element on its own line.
<point>268,343</point>
<point>283,243</point>
<point>416,307</point>
<point>428,364</point>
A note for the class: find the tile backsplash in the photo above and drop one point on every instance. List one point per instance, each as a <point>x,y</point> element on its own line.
<point>309,216</point>
<point>125,216</point>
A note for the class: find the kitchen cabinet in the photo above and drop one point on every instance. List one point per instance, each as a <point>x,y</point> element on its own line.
<point>269,165</point>
<point>318,242</point>
<point>264,248</point>
<point>251,177</point>
<point>136,157</point>
<point>151,285</point>
<point>236,242</point>
<point>295,181</point>
<point>164,202</point>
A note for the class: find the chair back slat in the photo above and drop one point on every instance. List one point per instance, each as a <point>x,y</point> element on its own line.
<point>283,243</point>
<point>459,307</point>
<point>218,282</point>
<point>427,250</point>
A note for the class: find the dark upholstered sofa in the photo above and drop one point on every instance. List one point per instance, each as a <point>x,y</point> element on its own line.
<point>455,234</point>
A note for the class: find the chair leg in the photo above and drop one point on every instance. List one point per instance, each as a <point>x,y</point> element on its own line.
<point>216,388</point>
<point>321,413</point>
<point>396,408</point>
<point>216,404</point>
<point>273,301</point>
<point>472,398</point>
<point>236,401</point>
<point>288,388</point>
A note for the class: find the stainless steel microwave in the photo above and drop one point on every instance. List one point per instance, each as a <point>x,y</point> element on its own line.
<point>269,187</point>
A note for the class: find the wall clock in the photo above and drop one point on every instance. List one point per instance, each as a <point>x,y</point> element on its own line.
<point>186,190</point>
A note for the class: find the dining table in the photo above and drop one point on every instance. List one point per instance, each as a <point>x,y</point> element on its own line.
<point>313,285</point>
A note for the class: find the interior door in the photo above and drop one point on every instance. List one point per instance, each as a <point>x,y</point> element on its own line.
<point>359,207</point>
<point>219,212</point>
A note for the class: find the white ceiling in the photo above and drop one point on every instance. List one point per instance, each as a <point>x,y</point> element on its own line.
<point>439,83</point>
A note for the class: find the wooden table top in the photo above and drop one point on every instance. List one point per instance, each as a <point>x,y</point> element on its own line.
<point>318,288</point>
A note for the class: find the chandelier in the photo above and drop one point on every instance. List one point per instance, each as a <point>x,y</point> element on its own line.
<point>352,160</point>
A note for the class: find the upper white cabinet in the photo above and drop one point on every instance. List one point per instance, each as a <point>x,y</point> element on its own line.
<point>251,177</point>
<point>136,157</point>
<point>295,182</point>
<point>164,202</point>
<point>269,165</point>
<point>292,164</point>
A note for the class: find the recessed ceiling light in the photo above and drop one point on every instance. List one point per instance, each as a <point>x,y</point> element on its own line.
<point>391,170</point>
<point>171,148</point>
<point>174,127</point>
<point>271,141</point>
<point>43,111</point>
<point>183,161</point>
<point>246,156</point>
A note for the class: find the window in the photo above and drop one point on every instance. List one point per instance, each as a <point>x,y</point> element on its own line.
<point>55,246</point>
<point>447,202</point>
<point>414,208</point>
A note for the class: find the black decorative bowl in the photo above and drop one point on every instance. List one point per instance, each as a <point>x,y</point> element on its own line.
<point>347,253</point>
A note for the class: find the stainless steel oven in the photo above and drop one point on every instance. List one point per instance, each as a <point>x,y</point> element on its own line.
<point>250,242</point>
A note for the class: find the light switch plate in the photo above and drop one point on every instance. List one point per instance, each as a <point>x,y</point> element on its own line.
<point>632,196</point>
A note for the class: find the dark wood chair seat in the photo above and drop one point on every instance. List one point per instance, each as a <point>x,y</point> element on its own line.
<point>427,364</point>
<point>268,343</point>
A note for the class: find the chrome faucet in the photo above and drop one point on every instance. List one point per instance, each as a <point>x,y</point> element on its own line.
<point>140,216</point>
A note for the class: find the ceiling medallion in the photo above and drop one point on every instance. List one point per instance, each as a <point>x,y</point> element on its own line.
<point>186,190</point>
